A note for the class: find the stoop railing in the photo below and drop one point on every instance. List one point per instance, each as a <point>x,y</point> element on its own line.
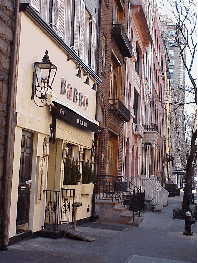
<point>118,189</point>
<point>154,192</point>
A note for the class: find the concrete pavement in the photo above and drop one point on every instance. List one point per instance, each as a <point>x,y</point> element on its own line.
<point>158,239</point>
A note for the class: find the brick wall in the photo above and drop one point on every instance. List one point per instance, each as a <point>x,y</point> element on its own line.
<point>6,42</point>
<point>111,121</point>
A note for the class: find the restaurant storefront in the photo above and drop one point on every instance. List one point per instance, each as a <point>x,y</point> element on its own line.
<point>55,126</point>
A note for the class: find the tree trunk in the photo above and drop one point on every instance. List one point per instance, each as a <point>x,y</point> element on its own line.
<point>189,173</point>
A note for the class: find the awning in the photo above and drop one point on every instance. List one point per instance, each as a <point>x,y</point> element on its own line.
<point>68,115</point>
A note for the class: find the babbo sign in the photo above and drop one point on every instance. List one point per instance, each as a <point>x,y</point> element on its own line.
<point>73,94</point>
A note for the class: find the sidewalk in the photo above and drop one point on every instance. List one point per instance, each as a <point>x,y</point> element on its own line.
<point>158,239</point>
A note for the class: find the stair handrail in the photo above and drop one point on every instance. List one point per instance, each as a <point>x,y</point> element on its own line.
<point>138,210</point>
<point>138,189</point>
<point>154,197</point>
<point>160,194</point>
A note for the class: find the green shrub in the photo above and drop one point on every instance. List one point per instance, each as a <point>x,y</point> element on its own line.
<point>71,172</point>
<point>87,173</point>
<point>75,172</point>
<point>67,171</point>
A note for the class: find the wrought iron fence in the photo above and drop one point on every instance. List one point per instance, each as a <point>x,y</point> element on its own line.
<point>58,207</point>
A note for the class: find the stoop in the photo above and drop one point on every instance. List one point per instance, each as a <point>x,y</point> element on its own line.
<point>113,212</point>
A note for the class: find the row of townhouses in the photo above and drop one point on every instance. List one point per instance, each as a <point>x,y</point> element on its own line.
<point>85,97</point>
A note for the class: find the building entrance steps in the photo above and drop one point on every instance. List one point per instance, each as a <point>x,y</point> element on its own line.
<point>115,212</point>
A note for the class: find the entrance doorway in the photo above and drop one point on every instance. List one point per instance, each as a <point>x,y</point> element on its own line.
<point>24,188</point>
<point>112,155</point>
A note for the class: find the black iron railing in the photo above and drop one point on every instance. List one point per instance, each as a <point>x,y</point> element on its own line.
<point>105,186</point>
<point>121,39</point>
<point>119,189</point>
<point>52,208</point>
<point>152,127</point>
<point>68,199</point>
<point>58,204</point>
<point>119,107</point>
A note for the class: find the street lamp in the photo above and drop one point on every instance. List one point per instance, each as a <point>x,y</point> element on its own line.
<point>43,78</point>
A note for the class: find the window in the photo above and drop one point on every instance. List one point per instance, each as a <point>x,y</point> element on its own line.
<point>58,17</point>
<point>100,114</point>
<point>115,80</point>
<point>135,106</point>
<point>45,8</point>
<point>171,62</point>
<point>73,24</point>
<point>171,52</point>
<point>131,34</point>
<point>171,43</point>
<point>117,12</point>
<point>162,64</point>
<point>87,55</point>
<point>69,22</point>
<point>172,33</point>
<point>104,51</point>
<point>129,96</point>
<point>138,61</point>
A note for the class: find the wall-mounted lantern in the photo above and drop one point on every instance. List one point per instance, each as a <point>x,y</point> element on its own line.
<point>43,78</point>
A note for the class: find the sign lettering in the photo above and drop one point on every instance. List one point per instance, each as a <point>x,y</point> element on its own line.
<point>73,94</point>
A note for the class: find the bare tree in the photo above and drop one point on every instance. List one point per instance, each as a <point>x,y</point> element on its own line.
<point>184,15</point>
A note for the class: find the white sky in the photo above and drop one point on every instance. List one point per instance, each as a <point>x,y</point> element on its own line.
<point>164,8</point>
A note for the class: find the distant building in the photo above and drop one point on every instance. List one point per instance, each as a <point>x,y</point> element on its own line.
<point>177,82</point>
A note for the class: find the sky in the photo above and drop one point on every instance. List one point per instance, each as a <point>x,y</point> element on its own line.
<point>164,8</point>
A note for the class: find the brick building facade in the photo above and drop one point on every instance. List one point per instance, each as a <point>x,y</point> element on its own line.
<point>114,47</point>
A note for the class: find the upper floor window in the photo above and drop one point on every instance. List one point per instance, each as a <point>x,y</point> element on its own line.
<point>172,33</point>
<point>104,52</point>
<point>73,24</point>
<point>171,43</point>
<point>162,64</point>
<point>171,52</point>
<point>172,62</point>
<point>118,13</point>
<point>136,105</point>
<point>138,61</point>
<point>88,32</point>
<point>115,80</point>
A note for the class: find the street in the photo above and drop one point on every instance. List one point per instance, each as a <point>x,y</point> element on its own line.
<point>158,239</point>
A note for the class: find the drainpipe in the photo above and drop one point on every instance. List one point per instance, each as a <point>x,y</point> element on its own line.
<point>8,156</point>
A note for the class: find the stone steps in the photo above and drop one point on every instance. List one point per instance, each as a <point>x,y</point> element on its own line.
<point>113,212</point>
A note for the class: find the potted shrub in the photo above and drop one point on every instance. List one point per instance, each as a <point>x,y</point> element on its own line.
<point>76,176</point>
<point>87,173</point>
<point>71,172</point>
